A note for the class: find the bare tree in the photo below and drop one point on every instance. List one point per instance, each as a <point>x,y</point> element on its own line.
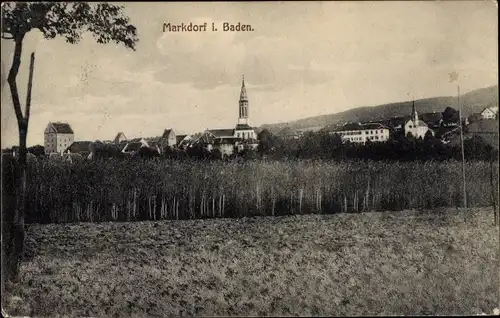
<point>107,23</point>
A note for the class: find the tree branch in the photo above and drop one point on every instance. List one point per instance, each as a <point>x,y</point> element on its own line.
<point>11,79</point>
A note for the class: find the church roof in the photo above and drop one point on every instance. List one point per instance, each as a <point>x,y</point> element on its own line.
<point>419,123</point>
<point>243,93</point>
<point>222,132</point>
<point>243,127</point>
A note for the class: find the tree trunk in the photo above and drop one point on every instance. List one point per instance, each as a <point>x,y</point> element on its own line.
<point>10,177</point>
<point>13,213</point>
<point>18,226</point>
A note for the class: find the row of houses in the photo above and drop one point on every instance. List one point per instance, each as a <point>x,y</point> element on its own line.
<point>59,137</point>
<point>414,124</point>
<point>168,140</point>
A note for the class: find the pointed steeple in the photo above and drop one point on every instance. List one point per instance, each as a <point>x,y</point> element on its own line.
<point>414,114</point>
<point>243,104</point>
<point>243,93</point>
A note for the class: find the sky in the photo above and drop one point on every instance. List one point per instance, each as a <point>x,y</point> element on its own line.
<point>302,59</point>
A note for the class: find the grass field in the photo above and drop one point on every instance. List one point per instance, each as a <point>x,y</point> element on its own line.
<point>398,263</point>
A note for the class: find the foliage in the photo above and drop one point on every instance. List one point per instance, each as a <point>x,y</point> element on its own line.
<point>475,148</point>
<point>37,150</point>
<point>451,116</point>
<point>127,190</point>
<point>71,19</point>
<point>267,142</point>
<point>398,148</point>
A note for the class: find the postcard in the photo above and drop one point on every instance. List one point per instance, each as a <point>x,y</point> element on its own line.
<point>305,158</point>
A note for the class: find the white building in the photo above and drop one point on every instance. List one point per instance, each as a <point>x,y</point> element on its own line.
<point>226,145</point>
<point>57,137</point>
<point>489,113</point>
<point>361,133</point>
<point>416,127</point>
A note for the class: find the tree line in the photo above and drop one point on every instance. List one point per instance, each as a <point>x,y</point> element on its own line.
<point>316,145</point>
<point>322,145</point>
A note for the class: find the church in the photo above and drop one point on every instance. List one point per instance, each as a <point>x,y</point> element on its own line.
<point>242,134</point>
<point>416,127</point>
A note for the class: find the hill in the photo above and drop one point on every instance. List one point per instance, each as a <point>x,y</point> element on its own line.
<point>472,102</point>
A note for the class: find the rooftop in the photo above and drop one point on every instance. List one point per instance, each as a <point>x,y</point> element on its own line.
<point>62,128</point>
<point>222,132</point>
<point>357,126</point>
<point>79,146</point>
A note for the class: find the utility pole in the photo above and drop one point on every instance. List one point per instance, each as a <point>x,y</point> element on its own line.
<point>454,77</point>
<point>462,144</point>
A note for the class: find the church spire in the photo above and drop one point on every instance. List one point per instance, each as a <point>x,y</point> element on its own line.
<point>243,104</point>
<point>414,114</point>
<point>243,93</point>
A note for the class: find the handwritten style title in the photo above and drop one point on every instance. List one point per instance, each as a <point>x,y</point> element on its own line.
<point>191,27</point>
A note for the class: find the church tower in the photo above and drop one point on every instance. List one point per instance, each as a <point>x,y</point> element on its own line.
<point>243,129</point>
<point>414,114</point>
<point>243,105</point>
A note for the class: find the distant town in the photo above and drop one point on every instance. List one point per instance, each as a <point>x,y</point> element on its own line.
<point>60,141</point>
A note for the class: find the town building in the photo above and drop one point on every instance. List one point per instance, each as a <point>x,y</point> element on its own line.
<point>80,147</point>
<point>168,139</point>
<point>490,113</point>
<point>57,137</point>
<point>183,141</point>
<point>416,127</point>
<point>227,145</point>
<point>120,137</point>
<point>361,133</point>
